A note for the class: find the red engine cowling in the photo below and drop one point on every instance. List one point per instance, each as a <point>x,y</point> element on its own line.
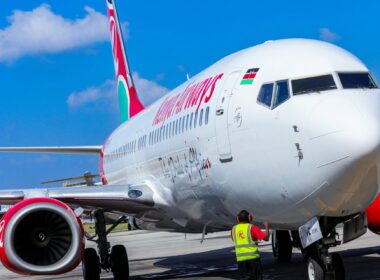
<point>41,236</point>
<point>373,216</point>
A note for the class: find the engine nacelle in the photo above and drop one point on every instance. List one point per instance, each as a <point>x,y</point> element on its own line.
<point>41,236</point>
<point>373,216</point>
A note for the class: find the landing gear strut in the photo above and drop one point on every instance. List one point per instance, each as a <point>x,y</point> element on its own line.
<point>322,265</point>
<point>115,260</point>
<point>326,266</point>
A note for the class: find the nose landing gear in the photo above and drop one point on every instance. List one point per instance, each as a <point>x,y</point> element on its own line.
<point>325,267</point>
<point>115,260</point>
<point>322,265</point>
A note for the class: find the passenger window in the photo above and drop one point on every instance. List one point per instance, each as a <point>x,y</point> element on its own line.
<point>265,95</point>
<point>176,127</point>
<point>191,121</point>
<point>195,119</point>
<point>187,121</point>
<point>281,94</point>
<point>201,118</point>
<point>173,128</point>
<point>206,115</point>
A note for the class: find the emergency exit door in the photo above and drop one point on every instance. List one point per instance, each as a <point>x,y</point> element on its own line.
<point>221,120</point>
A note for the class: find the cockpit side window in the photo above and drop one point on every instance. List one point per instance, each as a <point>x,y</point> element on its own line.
<point>356,80</point>
<point>281,93</point>
<point>313,84</point>
<point>265,95</point>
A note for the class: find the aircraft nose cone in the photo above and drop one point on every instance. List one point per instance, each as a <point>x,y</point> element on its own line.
<point>369,139</point>
<point>345,136</point>
<point>346,127</point>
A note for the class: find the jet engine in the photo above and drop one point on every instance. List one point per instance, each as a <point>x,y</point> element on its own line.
<point>373,216</point>
<point>41,236</point>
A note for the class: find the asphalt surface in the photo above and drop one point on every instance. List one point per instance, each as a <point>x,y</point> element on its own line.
<point>176,256</point>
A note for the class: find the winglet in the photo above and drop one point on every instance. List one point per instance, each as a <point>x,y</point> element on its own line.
<point>129,103</point>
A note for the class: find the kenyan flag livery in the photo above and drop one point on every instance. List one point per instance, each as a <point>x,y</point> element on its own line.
<point>249,76</point>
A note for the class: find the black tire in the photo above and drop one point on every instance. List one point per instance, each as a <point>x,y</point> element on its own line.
<point>338,266</point>
<point>120,265</point>
<point>91,265</point>
<point>315,269</point>
<point>282,246</point>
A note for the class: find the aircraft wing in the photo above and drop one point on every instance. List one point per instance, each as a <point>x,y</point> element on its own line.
<point>129,199</point>
<point>55,150</point>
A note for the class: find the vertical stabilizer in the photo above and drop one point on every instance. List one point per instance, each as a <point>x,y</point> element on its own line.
<point>129,103</point>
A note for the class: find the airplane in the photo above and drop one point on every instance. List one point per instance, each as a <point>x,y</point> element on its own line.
<point>288,130</point>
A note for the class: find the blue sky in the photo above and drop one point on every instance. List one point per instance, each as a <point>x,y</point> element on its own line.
<point>56,69</point>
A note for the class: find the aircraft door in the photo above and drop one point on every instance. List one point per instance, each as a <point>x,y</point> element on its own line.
<point>221,120</point>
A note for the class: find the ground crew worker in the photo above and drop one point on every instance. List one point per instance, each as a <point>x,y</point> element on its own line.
<point>245,237</point>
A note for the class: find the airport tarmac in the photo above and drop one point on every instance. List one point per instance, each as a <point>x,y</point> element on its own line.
<point>155,255</point>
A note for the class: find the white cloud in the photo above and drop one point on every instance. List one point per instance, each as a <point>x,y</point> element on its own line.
<point>105,94</point>
<point>104,97</point>
<point>42,31</point>
<point>327,35</point>
<point>149,91</point>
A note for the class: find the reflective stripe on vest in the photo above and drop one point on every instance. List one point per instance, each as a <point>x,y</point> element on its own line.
<point>245,247</point>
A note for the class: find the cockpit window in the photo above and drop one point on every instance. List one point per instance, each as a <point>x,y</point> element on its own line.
<point>281,93</point>
<point>265,95</point>
<point>313,84</point>
<point>356,80</point>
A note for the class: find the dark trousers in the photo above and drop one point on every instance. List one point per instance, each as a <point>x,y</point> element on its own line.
<point>250,270</point>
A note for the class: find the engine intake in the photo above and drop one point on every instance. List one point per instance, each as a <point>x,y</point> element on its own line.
<point>373,216</point>
<point>41,236</point>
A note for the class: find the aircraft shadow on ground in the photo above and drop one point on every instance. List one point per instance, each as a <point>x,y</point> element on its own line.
<point>221,263</point>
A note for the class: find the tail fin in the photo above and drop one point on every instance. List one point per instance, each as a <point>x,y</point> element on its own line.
<point>129,103</point>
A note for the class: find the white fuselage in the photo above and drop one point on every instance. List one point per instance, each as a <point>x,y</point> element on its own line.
<point>316,154</point>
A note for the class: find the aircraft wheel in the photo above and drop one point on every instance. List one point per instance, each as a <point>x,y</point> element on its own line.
<point>315,269</point>
<point>338,266</point>
<point>119,259</point>
<point>282,246</point>
<point>90,265</point>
